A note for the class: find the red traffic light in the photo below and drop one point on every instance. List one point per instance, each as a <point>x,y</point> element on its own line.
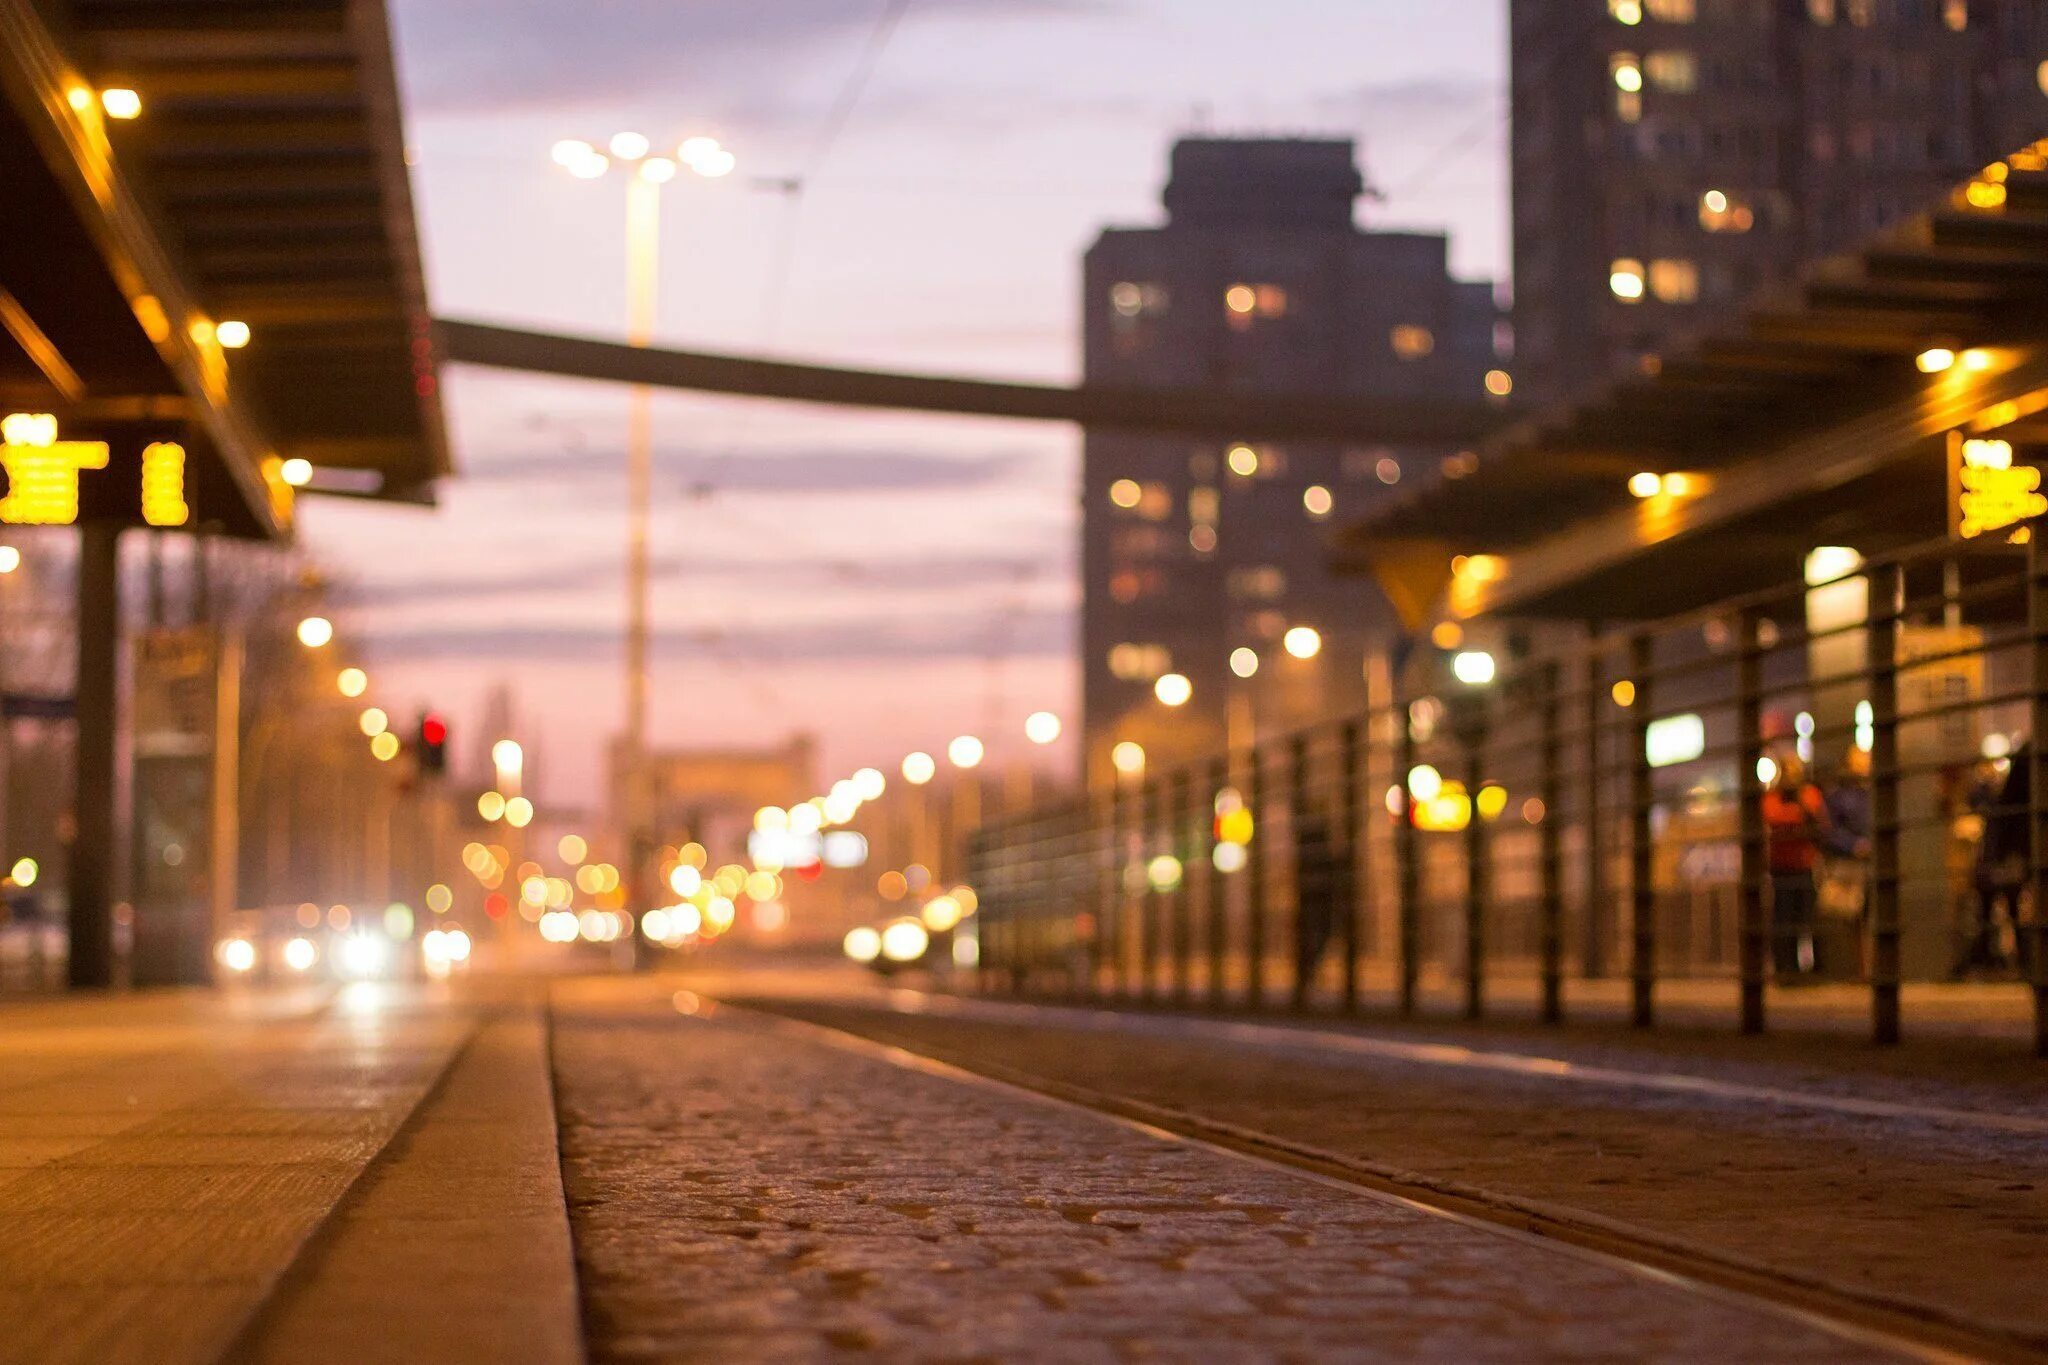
<point>433,730</point>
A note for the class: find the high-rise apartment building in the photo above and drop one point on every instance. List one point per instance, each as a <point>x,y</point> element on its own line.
<point>1201,556</point>
<point>1673,157</point>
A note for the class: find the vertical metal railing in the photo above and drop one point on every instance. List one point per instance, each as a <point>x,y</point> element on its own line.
<point>1564,762</point>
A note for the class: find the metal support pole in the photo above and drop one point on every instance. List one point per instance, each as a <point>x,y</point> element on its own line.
<point>1181,905</point>
<point>1754,927</point>
<point>1297,814</point>
<point>1255,888</point>
<point>1408,868</point>
<point>1595,699</point>
<point>2037,788</point>
<point>1112,926</point>
<point>1218,906</point>
<point>1148,898</point>
<point>1354,891</point>
<point>1642,797</point>
<point>1550,845</point>
<point>1476,883</point>
<point>1888,590</point>
<point>97,708</point>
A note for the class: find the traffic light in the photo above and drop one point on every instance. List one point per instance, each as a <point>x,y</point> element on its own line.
<point>433,748</point>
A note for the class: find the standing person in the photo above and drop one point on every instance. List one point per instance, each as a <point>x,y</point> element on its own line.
<point>1321,884</point>
<point>1795,816</point>
<point>1844,875</point>
<point>2004,856</point>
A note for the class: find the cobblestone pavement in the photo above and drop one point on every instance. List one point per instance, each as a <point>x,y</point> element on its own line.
<point>1917,1210</point>
<point>743,1191</point>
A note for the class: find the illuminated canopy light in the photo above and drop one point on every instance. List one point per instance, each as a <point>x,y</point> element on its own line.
<point>1173,689</point>
<point>296,472</point>
<point>352,682</point>
<point>1646,484</point>
<point>315,632</point>
<point>629,146</point>
<point>1128,758</point>
<point>1672,740</point>
<point>233,336</point>
<point>919,768</point>
<point>1474,668</point>
<point>507,756</point>
<point>1042,727</point>
<point>1303,642</point>
<point>1935,360</point>
<point>121,103</point>
<point>1424,783</point>
<point>10,559</point>
<point>519,812</point>
<point>966,752</point>
<point>1244,661</point>
<point>657,170</point>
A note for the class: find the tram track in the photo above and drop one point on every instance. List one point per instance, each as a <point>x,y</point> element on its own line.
<point>1882,1322</point>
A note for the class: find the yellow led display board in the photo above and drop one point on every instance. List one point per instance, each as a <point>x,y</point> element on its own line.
<point>42,471</point>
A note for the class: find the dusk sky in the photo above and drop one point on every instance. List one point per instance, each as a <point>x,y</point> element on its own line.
<point>884,581</point>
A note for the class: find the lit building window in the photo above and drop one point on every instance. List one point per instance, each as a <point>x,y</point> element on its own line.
<point>1675,281</point>
<point>1259,583</point>
<point>1155,502</point>
<point>1956,14</point>
<point>1720,212</point>
<point>1132,301</point>
<point>1672,11</point>
<point>1205,505</point>
<point>1248,302</point>
<point>1412,342</point>
<point>1628,106</point>
<point>1625,278</point>
<point>1675,72</point>
<point>1821,11</point>
<point>1140,662</point>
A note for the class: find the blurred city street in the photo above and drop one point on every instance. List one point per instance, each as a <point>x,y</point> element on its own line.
<point>1023,680</point>
<point>772,1162</point>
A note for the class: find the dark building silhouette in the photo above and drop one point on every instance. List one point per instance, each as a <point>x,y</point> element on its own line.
<point>1673,157</point>
<point>1196,549</point>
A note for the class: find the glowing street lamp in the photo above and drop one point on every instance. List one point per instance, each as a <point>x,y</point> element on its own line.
<point>316,632</point>
<point>966,752</point>
<point>647,173</point>
<point>1042,727</point>
<point>919,768</point>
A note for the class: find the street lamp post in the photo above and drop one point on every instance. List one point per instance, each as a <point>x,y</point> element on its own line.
<point>646,174</point>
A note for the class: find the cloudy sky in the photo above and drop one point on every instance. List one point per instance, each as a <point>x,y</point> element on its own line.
<point>885,581</point>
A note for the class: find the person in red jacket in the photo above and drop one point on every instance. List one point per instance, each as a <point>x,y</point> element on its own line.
<point>1795,821</point>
